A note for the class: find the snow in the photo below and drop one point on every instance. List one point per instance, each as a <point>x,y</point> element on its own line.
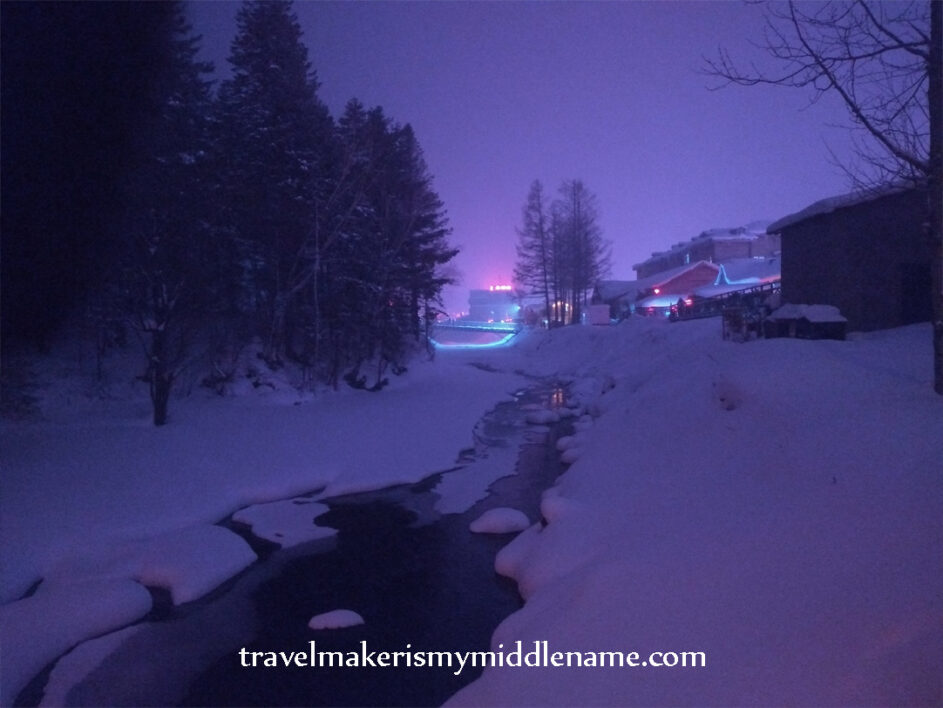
<point>830,204</point>
<point>737,271</point>
<point>56,618</point>
<point>188,562</point>
<point>813,313</point>
<point>288,523</point>
<point>775,504</point>
<point>823,313</point>
<point>80,662</point>
<point>459,490</point>
<point>335,619</point>
<point>500,520</point>
<point>93,493</point>
<point>794,536</point>
<point>750,232</point>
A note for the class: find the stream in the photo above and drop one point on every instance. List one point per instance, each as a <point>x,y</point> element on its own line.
<point>417,576</point>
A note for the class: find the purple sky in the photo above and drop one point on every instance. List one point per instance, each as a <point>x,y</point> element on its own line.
<point>501,93</point>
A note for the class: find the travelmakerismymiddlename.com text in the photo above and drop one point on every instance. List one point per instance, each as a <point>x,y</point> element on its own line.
<point>535,654</point>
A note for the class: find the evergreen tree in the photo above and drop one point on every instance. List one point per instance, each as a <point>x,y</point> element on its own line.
<point>397,243</point>
<point>276,155</point>
<point>167,256</point>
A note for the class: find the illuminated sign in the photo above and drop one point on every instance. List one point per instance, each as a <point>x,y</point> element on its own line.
<point>495,288</point>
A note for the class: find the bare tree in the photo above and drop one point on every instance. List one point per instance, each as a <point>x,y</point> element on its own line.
<point>885,61</point>
<point>534,267</point>
<point>582,254</point>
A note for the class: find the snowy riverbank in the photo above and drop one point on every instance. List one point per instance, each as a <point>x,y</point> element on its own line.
<point>96,501</point>
<point>774,504</point>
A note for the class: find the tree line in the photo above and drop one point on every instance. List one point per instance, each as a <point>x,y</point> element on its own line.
<point>561,252</point>
<point>244,214</point>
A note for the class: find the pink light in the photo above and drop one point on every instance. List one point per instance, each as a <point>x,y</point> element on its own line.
<point>656,291</point>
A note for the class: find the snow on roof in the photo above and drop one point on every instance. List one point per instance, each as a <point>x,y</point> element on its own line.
<point>610,290</point>
<point>787,312</point>
<point>653,281</point>
<point>750,232</point>
<point>823,313</point>
<point>842,201</point>
<point>749,270</point>
<point>718,289</point>
<point>812,313</point>
<point>613,289</point>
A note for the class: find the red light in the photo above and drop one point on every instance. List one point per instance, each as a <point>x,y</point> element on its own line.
<point>656,291</point>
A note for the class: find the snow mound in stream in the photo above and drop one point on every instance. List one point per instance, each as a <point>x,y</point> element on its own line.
<point>335,619</point>
<point>500,520</point>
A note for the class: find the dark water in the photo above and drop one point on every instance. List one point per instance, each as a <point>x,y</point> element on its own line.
<point>417,578</point>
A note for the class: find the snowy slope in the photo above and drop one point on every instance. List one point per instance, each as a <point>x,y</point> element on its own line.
<point>92,495</point>
<point>776,504</point>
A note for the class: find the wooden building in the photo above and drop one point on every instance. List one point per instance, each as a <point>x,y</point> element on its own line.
<point>866,254</point>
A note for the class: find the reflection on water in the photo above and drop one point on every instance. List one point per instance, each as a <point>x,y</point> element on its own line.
<point>417,577</point>
<point>558,398</point>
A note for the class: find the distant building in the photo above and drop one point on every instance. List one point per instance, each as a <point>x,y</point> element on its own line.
<point>657,293</point>
<point>713,246</point>
<point>866,254</point>
<point>499,303</point>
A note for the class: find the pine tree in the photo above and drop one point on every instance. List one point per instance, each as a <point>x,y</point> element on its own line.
<point>167,255</point>
<point>276,155</point>
<point>390,262</point>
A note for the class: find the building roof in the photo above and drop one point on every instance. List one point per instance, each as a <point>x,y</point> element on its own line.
<point>746,271</point>
<point>812,313</point>
<point>842,201</point>
<point>609,290</point>
<point>750,232</point>
<point>666,276</point>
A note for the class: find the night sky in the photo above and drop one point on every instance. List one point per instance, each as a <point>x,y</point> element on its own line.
<point>611,93</point>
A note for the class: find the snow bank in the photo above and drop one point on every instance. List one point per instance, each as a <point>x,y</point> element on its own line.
<point>460,489</point>
<point>39,628</point>
<point>93,494</point>
<point>288,523</point>
<point>500,520</point>
<point>795,537</point>
<point>335,619</point>
<point>80,662</point>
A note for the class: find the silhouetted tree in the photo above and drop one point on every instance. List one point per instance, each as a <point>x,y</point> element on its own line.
<point>275,141</point>
<point>387,270</point>
<point>74,83</point>
<point>534,267</point>
<point>581,253</point>
<point>168,258</point>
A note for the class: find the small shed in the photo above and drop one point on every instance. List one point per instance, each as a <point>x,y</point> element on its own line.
<point>806,322</point>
